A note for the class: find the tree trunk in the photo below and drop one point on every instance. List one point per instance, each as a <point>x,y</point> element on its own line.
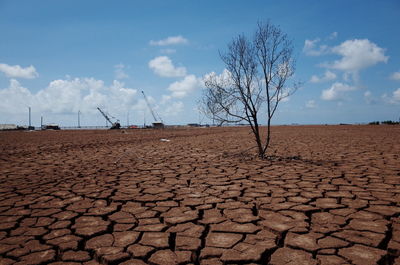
<point>268,137</point>
<point>258,140</point>
<point>260,147</point>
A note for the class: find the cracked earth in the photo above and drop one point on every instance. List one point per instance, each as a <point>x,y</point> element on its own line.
<point>330,195</point>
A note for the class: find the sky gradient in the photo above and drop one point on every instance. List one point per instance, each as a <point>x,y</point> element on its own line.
<point>61,57</point>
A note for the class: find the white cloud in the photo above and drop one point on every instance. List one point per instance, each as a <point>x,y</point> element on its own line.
<point>163,66</point>
<point>396,95</point>
<point>173,40</point>
<point>162,109</point>
<point>394,98</point>
<point>141,104</point>
<point>15,98</point>
<point>395,76</point>
<point>356,55</point>
<point>63,96</point>
<point>119,72</point>
<point>311,104</point>
<point>328,76</point>
<point>67,96</point>
<point>224,77</point>
<point>125,96</point>
<point>173,109</point>
<point>337,91</point>
<point>16,71</point>
<point>310,48</point>
<point>181,88</point>
<point>143,108</point>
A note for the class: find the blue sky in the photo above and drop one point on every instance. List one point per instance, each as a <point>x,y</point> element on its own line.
<point>59,57</point>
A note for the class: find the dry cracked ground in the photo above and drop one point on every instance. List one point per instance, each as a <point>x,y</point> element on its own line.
<point>328,195</point>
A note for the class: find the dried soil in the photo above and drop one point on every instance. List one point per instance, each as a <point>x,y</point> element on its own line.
<point>327,195</point>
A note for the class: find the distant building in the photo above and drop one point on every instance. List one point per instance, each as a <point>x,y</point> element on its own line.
<point>51,126</point>
<point>8,127</point>
<point>193,125</point>
<point>158,125</point>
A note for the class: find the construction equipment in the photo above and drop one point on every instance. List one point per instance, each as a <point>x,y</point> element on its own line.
<point>158,123</point>
<point>50,126</point>
<point>114,125</point>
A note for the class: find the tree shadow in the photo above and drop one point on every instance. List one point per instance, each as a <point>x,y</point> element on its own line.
<point>246,156</point>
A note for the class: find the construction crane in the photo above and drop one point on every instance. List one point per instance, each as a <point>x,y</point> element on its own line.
<point>114,125</point>
<point>158,123</point>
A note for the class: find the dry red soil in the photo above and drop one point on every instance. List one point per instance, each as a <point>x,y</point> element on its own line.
<point>330,195</point>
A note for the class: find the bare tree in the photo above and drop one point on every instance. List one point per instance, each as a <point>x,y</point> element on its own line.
<point>254,81</point>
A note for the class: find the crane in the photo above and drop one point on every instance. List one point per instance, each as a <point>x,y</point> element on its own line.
<point>114,125</point>
<point>158,123</point>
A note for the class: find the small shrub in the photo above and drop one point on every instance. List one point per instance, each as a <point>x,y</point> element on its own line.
<point>374,123</point>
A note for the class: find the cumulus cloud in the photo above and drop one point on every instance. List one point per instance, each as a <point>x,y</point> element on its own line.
<point>15,98</point>
<point>173,109</point>
<point>16,71</point>
<point>328,76</point>
<point>67,96</point>
<point>141,104</point>
<point>119,72</point>
<point>224,77</point>
<point>64,96</point>
<point>124,96</point>
<point>314,48</point>
<point>162,109</point>
<point>163,66</point>
<point>395,76</point>
<point>173,40</point>
<point>311,48</point>
<point>337,91</point>
<point>396,95</point>
<point>183,87</point>
<point>311,104</point>
<point>394,98</point>
<point>356,55</point>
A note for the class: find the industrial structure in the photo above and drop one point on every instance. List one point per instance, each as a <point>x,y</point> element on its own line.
<point>30,127</point>
<point>10,127</point>
<point>50,126</point>
<point>158,123</point>
<point>114,125</point>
